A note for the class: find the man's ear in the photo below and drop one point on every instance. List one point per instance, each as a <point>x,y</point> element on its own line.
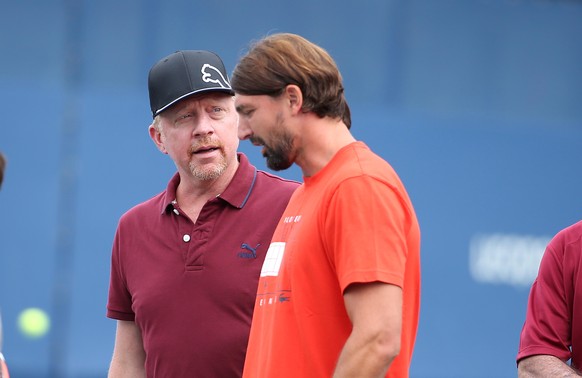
<point>295,97</point>
<point>156,136</point>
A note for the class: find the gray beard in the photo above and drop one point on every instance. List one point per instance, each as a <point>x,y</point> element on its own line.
<point>208,173</point>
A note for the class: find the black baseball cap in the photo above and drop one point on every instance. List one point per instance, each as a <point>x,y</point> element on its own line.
<point>184,73</point>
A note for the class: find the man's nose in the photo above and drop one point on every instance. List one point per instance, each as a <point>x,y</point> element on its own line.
<point>244,131</point>
<point>204,126</point>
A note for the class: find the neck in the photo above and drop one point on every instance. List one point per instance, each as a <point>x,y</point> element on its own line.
<point>320,139</point>
<point>192,194</point>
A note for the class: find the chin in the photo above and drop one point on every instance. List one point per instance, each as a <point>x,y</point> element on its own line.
<point>209,173</point>
<point>278,165</point>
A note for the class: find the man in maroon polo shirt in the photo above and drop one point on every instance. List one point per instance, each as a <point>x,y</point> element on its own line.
<point>186,263</point>
<point>550,343</point>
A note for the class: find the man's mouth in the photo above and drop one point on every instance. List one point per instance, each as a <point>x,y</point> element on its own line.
<point>204,149</point>
<point>256,141</point>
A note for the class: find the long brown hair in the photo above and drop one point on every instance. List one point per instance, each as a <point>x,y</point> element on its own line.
<point>282,59</point>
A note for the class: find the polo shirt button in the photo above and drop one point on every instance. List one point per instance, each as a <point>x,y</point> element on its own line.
<point>186,238</point>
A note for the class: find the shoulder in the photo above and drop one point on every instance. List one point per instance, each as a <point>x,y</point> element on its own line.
<point>571,233</point>
<point>271,191</point>
<point>360,170</point>
<point>271,181</point>
<point>358,160</point>
<point>145,209</point>
<point>368,172</point>
<point>564,252</point>
<point>568,239</point>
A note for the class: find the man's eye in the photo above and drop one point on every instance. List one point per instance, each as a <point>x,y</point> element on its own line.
<point>217,109</point>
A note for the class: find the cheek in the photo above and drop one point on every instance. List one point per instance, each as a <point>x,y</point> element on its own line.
<point>228,134</point>
<point>178,143</point>
<point>253,125</point>
<point>232,137</point>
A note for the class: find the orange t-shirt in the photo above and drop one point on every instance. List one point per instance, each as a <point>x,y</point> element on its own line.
<point>352,222</point>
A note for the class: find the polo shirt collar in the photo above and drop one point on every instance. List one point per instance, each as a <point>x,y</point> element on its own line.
<point>236,193</point>
<point>240,187</point>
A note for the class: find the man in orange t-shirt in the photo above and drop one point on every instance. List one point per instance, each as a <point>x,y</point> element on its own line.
<point>339,292</point>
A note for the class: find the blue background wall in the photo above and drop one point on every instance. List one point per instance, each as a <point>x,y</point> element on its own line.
<point>477,104</point>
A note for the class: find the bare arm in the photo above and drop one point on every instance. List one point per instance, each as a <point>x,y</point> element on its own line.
<point>128,354</point>
<point>544,366</point>
<point>375,310</point>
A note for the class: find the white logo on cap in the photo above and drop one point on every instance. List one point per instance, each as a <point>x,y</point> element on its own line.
<point>208,71</point>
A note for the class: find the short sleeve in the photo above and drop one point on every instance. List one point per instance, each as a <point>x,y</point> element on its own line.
<point>119,301</point>
<point>547,326</point>
<point>366,229</point>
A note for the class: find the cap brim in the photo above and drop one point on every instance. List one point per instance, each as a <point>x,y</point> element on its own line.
<point>203,90</point>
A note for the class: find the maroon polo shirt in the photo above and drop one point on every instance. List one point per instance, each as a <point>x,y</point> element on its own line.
<point>190,287</point>
<point>553,322</point>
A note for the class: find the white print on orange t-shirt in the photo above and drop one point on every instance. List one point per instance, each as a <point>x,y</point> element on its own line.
<point>273,259</point>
